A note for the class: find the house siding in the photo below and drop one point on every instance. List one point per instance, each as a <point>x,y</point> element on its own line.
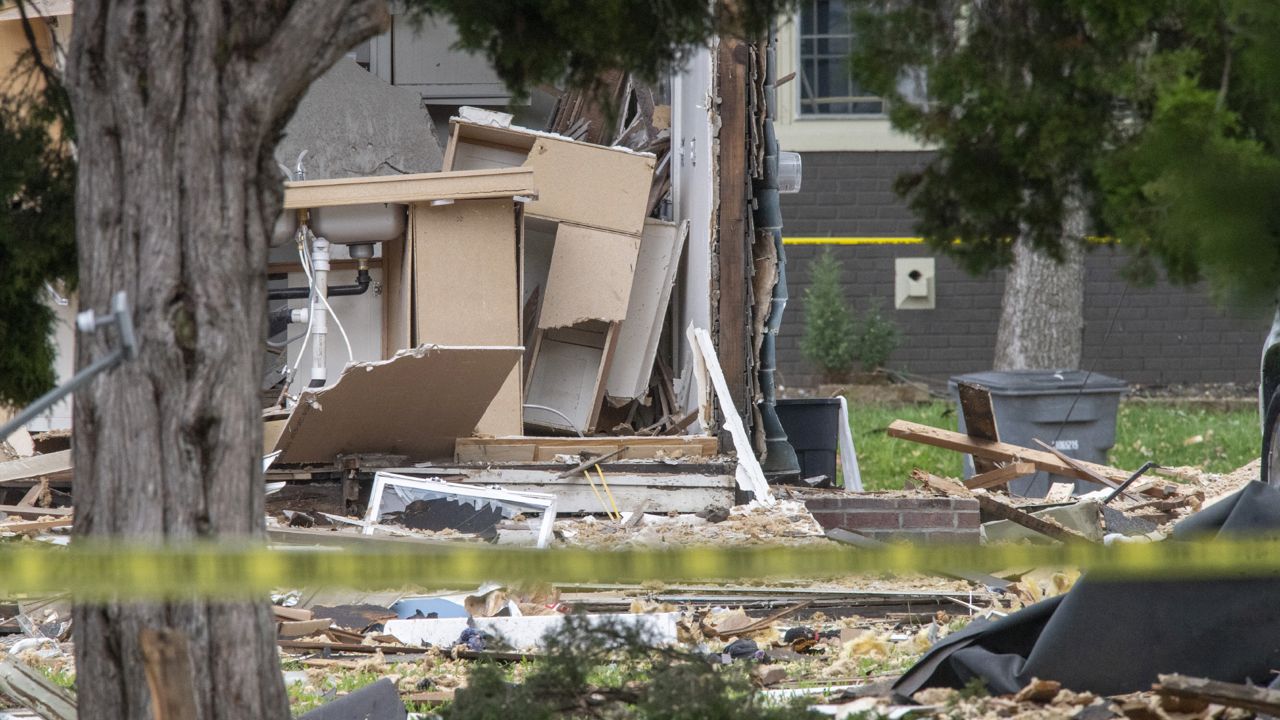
<point>1163,334</point>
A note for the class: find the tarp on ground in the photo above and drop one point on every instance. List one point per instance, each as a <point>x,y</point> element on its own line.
<point>1111,637</point>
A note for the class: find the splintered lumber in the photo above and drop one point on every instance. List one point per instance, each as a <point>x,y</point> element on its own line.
<point>544,449</point>
<point>979,420</point>
<point>308,645</point>
<point>36,525</point>
<point>1000,452</point>
<point>31,689</point>
<point>995,508</point>
<point>1001,475</point>
<point>1258,699</point>
<point>945,486</point>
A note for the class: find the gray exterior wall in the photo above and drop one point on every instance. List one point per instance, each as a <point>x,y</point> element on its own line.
<point>1162,335</point>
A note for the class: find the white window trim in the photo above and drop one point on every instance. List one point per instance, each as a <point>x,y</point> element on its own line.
<point>832,133</point>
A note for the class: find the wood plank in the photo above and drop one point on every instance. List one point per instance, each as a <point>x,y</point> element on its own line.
<point>1000,475</point>
<point>946,486</point>
<point>291,614</point>
<point>979,420</point>
<point>411,188</point>
<point>31,511</point>
<point>36,525</point>
<point>533,449</point>
<point>54,465</point>
<point>349,647</point>
<point>1261,700</point>
<point>998,451</point>
<point>995,508</point>
<point>30,688</point>
<point>733,258</point>
<point>302,628</point>
<point>1077,465</point>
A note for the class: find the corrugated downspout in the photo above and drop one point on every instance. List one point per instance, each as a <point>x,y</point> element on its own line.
<point>780,462</point>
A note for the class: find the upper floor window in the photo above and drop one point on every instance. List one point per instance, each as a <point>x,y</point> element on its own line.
<point>827,86</point>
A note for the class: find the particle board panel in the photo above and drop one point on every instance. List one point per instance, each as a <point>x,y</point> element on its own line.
<point>415,404</point>
<point>580,183</point>
<point>466,288</point>
<point>639,335</point>
<point>544,449</point>
<point>589,278</point>
<point>412,188</point>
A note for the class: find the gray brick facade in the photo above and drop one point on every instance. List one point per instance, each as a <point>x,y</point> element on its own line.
<point>1162,334</point>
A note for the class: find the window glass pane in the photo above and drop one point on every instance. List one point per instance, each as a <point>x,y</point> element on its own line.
<point>826,41</point>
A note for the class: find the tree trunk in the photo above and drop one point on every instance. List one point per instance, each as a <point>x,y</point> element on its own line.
<point>1042,314</point>
<point>178,106</point>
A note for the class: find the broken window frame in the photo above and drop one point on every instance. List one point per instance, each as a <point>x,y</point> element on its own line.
<point>533,502</point>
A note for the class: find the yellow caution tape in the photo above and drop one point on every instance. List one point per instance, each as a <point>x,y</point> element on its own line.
<point>136,572</point>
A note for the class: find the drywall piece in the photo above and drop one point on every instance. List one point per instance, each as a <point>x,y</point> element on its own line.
<point>848,455</point>
<point>590,277</point>
<point>685,489</point>
<point>749,475</point>
<point>20,443</point>
<point>405,490</point>
<point>525,632</point>
<point>419,188</point>
<point>638,337</point>
<point>913,284</point>
<point>566,379</point>
<point>376,701</point>
<point>415,404</point>
<point>350,123</point>
<point>579,183</point>
<point>466,288</point>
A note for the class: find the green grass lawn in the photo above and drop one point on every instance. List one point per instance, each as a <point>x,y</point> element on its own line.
<point>1217,441</point>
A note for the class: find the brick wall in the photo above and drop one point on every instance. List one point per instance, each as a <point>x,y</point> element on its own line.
<point>898,518</point>
<point>1162,334</point>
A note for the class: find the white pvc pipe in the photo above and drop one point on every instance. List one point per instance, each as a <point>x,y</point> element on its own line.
<point>319,314</point>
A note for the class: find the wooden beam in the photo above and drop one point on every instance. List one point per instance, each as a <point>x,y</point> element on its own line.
<point>995,508</point>
<point>31,689</point>
<point>412,188</point>
<point>56,465</point>
<point>946,486</point>
<point>36,525</point>
<point>733,324</point>
<point>1261,700</point>
<point>979,420</point>
<point>1001,475</point>
<point>998,451</point>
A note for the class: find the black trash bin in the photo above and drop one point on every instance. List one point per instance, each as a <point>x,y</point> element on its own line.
<point>813,429</point>
<point>1072,410</point>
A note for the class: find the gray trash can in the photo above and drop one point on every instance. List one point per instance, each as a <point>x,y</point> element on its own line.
<point>1072,410</point>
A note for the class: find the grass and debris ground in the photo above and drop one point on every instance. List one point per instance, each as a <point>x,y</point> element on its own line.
<point>1215,440</point>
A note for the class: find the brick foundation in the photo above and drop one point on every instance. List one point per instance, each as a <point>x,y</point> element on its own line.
<point>899,518</point>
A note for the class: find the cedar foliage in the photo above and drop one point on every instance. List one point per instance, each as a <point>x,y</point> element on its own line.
<point>1161,112</point>
<point>37,229</point>
<point>607,670</point>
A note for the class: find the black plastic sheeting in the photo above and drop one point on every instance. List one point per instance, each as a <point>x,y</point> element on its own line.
<point>1112,637</point>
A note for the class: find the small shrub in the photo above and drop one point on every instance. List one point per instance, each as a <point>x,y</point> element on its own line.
<point>876,337</point>
<point>829,329</point>
<point>607,670</point>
